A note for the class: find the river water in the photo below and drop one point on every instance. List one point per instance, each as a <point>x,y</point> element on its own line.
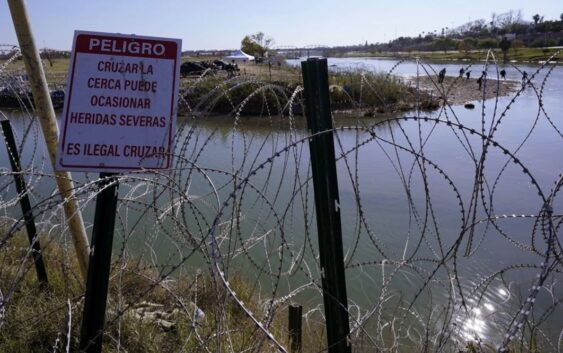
<point>406,192</point>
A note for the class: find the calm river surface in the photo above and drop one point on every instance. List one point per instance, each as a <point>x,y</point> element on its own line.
<point>375,171</point>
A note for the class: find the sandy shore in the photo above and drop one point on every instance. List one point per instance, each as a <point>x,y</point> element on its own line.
<point>461,90</point>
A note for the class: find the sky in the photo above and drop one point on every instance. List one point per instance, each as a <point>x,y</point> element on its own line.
<point>216,24</point>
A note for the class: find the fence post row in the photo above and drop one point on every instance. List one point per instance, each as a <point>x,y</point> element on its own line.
<point>327,203</point>
<point>25,204</point>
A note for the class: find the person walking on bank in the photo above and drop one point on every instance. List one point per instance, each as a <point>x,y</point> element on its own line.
<point>524,78</point>
<point>441,75</point>
<point>461,72</point>
<point>480,79</point>
<point>467,74</point>
<point>503,74</point>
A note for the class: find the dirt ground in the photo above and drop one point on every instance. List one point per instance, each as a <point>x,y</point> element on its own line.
<point>461,90</point>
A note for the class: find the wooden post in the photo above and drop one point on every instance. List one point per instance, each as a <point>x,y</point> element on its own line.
<point>327,204</point>
<point>21,188</point>
<point>295,328</point>
<point>100,263</point>
<point>46,114</point>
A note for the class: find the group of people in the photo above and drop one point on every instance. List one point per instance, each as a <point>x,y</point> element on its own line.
<point>467,73</point>
<point>462,71</point>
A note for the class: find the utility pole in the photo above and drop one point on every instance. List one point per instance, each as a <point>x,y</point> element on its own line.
<point>47,118</point>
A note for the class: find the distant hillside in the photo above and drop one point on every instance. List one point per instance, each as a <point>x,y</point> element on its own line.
<point>507,30</point>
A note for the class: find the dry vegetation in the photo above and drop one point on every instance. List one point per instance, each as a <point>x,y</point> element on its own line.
<point>146,313</point>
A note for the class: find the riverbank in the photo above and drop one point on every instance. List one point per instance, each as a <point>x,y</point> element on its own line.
<point>374,93</point>
<point>255,90</point>
<point>458,91</point>
<point>146,312</point>
<point>521,55</point>
<point>364,93</point>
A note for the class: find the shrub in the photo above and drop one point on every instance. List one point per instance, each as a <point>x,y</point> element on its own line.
<point>540,43</point>
<point>488,43</point>
<point>371,89</point>
<point>517,44</point>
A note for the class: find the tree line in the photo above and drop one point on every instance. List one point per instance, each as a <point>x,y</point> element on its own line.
<point>484,34</point>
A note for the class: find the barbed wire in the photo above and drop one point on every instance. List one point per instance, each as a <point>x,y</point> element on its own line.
<point>450,220</point>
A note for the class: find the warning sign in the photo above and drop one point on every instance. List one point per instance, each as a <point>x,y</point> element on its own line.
<point>120,107</point>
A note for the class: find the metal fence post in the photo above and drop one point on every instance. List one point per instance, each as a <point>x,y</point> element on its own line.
<point>99,268</point>
<point>24,202</point>
<point>295,328</point>
<point>327,203</point>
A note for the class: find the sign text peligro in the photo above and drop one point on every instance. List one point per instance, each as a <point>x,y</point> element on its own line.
<point>121,103</point>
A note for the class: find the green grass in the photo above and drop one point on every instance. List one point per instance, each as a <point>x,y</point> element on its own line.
<point>520,55</point>
<point>371,92</point>
<point>377,92</point>
<point>247,96</point>
<point>55,70</point>
<point>37,320</point>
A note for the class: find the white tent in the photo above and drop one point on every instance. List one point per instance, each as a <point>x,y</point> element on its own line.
<point>238,55</point>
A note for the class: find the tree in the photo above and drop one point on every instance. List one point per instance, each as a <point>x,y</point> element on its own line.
<point>256,44</point>
<point>519,28</point>
<point>493,22</point>
<point>46,54</point>
<point>505,20</point>
<point>248,46</point>
<point>445,44</point>
<point>466,45</point>
<point>504,45</point>
<point>488,43</point>
<point>517,44</point>
<point>536,19</point>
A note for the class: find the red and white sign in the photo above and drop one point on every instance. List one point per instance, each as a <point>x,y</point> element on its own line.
<point>120,107</point>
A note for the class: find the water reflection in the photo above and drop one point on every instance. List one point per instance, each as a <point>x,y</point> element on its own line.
<point>474,327</point>
<point>486,316</point>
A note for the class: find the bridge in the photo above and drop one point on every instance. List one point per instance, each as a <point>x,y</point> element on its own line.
<point>294,52</point>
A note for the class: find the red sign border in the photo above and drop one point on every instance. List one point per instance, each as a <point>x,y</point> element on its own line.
<point>68,97</point>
